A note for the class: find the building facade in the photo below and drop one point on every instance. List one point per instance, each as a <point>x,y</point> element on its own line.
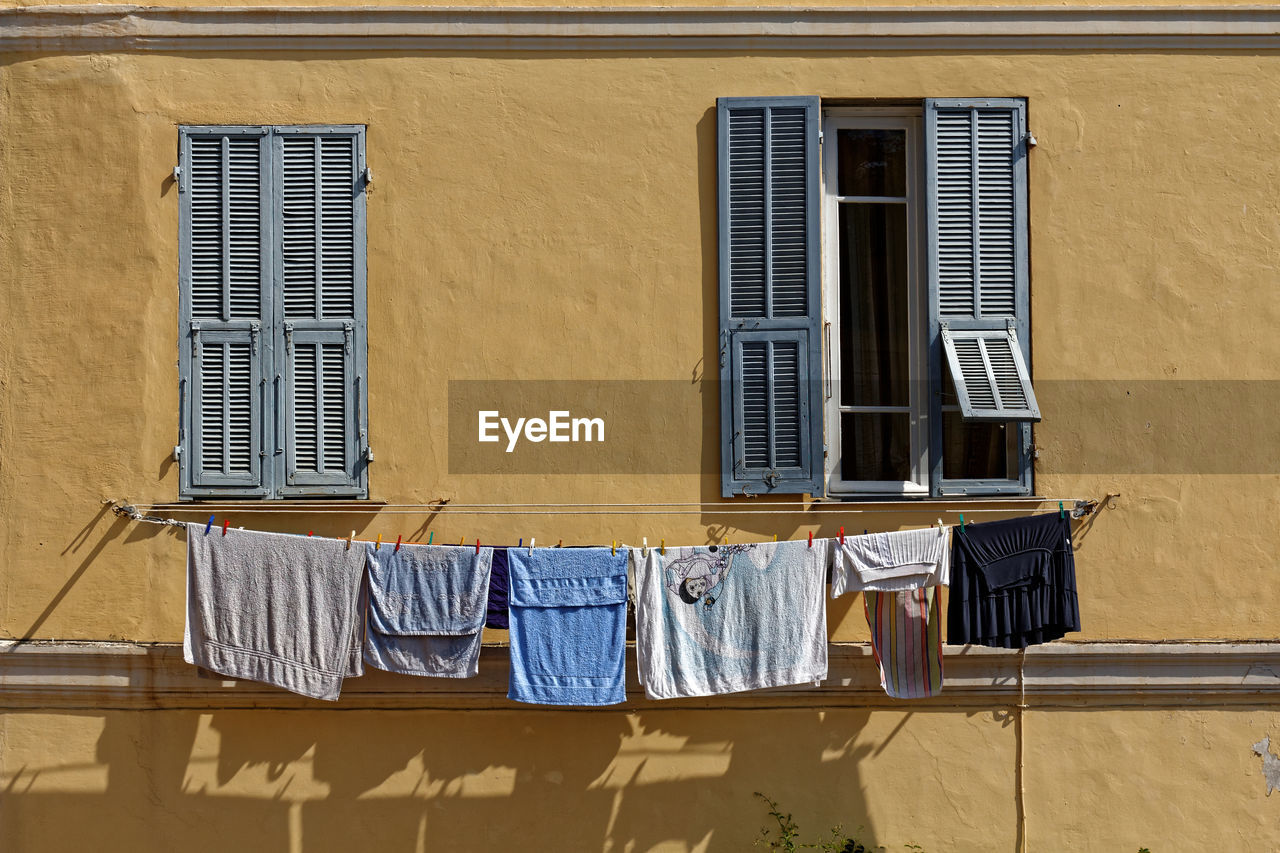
<point>273,264</point>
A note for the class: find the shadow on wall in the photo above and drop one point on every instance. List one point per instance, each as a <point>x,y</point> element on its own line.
<point>462,780</point>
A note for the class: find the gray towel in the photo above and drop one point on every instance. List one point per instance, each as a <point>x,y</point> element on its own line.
<point>273,607</point>
<point>427,608</point>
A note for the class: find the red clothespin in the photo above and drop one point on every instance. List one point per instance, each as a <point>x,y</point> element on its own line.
<point>397,550</point>
<point>226,522</point>
<point>309,532</point>
<point>478,545</point>
<point>841,535</point>
<point>207,525</point>
<point>810,538</point>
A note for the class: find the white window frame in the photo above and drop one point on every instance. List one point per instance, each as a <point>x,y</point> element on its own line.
<point>910,120</point>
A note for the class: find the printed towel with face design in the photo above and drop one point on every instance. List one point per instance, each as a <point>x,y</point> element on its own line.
<point>726,618</point>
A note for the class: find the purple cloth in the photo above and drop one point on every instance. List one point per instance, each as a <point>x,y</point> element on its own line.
<point>499,583</point>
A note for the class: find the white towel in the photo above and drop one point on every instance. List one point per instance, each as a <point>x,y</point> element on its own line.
<point>892,562</point>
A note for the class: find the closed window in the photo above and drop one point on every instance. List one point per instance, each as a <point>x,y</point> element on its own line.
<point>874,298</point>
<point>272,332</point>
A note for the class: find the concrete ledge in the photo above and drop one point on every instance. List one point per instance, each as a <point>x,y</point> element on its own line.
<point>118,27</point>
<point>75,676</point>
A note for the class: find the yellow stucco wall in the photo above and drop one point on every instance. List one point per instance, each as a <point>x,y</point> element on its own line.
<point>552,216</point>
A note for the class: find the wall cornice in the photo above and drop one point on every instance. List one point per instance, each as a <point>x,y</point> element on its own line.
<point>417,28</point>
<point>125,676</point>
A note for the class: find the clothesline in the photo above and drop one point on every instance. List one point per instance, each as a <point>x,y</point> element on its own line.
<point>1078,508</point>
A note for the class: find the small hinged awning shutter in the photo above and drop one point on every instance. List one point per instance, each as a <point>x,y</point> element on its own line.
<point>321,267</point>
<point>978,258</point>
<point>770,306</point>
<point>990,375</point>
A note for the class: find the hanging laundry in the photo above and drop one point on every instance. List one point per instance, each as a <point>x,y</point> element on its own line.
<point>426,609</point>
<point>888,562</point>
<point>499,582</point>
<point>272,607</point>
<point>726,618</point>
<point>568,622</point>
<point>898,574</point>
<point>1013,583</point>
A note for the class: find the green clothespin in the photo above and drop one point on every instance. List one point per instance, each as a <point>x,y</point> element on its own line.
<point>431,537</point>
<point>962,521</point>
<point>1061,512</point>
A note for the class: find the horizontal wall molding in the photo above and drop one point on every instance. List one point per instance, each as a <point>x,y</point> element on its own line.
<point>461,28</point>
<point>47,675</point>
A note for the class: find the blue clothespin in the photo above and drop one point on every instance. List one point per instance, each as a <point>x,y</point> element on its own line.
<point>208,524</point>
<point>519,544</point>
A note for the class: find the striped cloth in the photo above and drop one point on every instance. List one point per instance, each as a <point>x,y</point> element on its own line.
<point>906,636</point>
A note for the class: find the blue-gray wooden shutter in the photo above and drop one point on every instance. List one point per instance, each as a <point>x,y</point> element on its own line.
<point>979,299</point>
<point>225,306</point>
<point>320,267</point>
<point>770,296</point>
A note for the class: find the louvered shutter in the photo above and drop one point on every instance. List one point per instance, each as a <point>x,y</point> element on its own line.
<point>770,306</point>
<point>225,304</point>
<point>319,220</point>
<point>978,253</point>
<point>979,301</point>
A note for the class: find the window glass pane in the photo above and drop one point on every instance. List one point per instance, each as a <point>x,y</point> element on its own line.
<point>872,162</point>
<point>874,363</point>
<point>875,446</point>
<point>976,449</point>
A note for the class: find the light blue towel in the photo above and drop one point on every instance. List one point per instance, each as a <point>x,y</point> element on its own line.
<point>426,609</point>
<point>568,614</point>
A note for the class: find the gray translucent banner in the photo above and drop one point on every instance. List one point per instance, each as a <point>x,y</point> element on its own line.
<point>673,427</point>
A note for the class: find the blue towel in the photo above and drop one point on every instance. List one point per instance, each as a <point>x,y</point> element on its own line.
<point>498,584</point>
<point>568,625</point>
<point>426,609</point>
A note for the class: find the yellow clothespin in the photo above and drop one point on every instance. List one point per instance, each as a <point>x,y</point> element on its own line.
<point>615,547</point>
<point>462,540</point>
<point>775,537</point>
<point>662,548</point>
<point>349,538</point>
<point>377,546</point>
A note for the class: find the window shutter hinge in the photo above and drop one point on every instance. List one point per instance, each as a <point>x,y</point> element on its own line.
<point>195,339</point>
<point>288,336</point>
<point>254,329</point>
<point>347,332</point>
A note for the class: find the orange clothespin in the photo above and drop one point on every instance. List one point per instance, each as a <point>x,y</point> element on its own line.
<point>662,548</point>
<point>397,550</point>
<point>462,540</point>
<point>226,522</point>
<point>810,538</point>
<point>478,545</point>
<point>841,535</point>
<point>377,546</point>
<point>560,544</point>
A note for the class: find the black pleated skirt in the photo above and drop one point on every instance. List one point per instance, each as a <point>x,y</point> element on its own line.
<point>1013,583</point>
